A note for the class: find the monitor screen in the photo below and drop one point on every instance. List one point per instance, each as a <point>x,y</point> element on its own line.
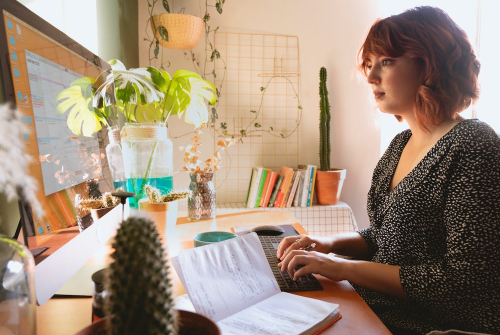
<point>37,62</point>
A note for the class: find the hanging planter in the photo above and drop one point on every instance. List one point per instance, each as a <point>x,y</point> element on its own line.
<point>177,31</point>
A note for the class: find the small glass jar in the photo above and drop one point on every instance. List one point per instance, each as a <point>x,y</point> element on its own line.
<point>17,289</point>
<point>148,158</point>
<point>201,203</point>
<point>115,158</point>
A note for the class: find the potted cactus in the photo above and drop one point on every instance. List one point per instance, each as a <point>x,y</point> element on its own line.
<point>328,181</point>
<point>162,208</point>
<point>139,298</point>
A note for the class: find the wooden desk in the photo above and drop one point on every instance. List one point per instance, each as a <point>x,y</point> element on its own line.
<point>65,316</point>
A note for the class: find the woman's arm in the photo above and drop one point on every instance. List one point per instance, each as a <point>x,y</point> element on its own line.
<point>378,277</point>
<point>346,244</point>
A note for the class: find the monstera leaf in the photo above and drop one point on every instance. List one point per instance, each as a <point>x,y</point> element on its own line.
<point>186,92</point>
<point>133,86</point>
<point>83,118</point>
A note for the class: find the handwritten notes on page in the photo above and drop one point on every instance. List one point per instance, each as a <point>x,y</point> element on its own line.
<point>226,277</point>
<point>283,313</point>
<point>232,283</point>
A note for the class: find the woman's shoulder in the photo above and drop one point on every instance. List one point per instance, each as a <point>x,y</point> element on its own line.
<point>474,129</point>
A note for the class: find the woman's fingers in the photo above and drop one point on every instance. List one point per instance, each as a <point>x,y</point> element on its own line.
<point>288,244</point>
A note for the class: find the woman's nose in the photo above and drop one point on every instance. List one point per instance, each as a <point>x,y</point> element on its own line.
<point>373,77</point>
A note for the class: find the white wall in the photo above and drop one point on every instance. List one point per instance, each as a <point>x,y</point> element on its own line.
<point>330,34</point>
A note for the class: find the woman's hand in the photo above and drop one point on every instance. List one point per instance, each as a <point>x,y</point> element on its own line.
<point>313,262</point>
<point>320,244</point>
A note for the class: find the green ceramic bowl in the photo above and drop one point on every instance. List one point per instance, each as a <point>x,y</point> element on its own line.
<point>210,237</point>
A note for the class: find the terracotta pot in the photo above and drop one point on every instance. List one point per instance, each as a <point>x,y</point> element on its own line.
<point>100,212</point>
<point>184,31</point>
<point>189,323</point>
<point>164,214</point>
<point>329,185</point>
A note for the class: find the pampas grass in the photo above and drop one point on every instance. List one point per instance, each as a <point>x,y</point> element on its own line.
<point>14,179</point>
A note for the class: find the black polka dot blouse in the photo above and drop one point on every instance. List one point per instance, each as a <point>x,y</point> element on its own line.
<point>441,225</point>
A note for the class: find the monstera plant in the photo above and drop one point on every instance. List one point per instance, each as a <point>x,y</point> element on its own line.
<point>141,95</point>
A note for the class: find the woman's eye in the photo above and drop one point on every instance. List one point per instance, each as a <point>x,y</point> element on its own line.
<point>386,62</point>
<point>368,67</point>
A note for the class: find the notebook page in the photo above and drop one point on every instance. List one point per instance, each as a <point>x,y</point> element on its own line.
<point>226,277</point>
<point>283,313</point>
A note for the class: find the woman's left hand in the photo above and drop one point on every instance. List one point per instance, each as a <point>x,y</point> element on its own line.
<point>326,265</point>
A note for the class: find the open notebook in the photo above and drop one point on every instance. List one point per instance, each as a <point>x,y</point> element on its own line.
<point>232,283</point>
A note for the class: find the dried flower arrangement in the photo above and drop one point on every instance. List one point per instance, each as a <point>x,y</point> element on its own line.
<point>191,154</point>
<point>155,196</point>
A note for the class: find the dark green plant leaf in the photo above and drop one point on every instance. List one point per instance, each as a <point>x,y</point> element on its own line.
<point>218,5</point>
<point>272,129</point>
<point>157,49</point>
<point>206,17</point>
<point>257,125</point>
<point>163,33</point>
<point>243,132</point>
<point>217,54</point>
<point>252,111</point>
<point>223,125</point>
<point>282,135</point>
<point>262,88</point>
<point>166,6</point>
<point>299,107</point>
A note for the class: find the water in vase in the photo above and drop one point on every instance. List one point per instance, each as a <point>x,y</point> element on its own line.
<point>164,184</point>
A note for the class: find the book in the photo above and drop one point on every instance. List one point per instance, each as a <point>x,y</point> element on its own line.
<point>269,188</point>
<point>287,173</point>
<point>311,185</point>
<point>288,192</point>
<point>255,187</point>
<point>263,179</point>
<point>241,294</point>
<point>293,189</point>
<point>250,186</point>
<point>277,186</point>
<point>305,189</point>
<point>298,194</point>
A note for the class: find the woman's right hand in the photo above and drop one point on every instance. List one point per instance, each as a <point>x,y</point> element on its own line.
<point>322,244</point>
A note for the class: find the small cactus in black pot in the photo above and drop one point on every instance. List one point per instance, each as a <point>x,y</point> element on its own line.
<point>140,300</point>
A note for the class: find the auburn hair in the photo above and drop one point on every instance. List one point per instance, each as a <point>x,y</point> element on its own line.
<point>449,66</point>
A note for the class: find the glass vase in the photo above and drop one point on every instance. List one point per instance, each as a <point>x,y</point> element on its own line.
<point>201,203</point>
<point>115,158</point>
<point>147,157</point>
<point>17,290</point>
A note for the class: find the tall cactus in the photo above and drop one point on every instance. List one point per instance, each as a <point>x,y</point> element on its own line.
<point>140,290</point>
<point>324,123</point>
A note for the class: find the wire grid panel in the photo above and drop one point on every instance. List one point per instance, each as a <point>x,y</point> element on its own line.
<point>269,117</point>
<point>316,220</point>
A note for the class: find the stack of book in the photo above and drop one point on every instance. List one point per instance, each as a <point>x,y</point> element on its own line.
<point>286,188</point>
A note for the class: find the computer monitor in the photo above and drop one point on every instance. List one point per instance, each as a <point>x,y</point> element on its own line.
<point>37,62</point>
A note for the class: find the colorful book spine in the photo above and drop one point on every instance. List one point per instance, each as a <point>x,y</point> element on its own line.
<point>311,185</point>
<point>272,200</point>
<point>263,179</point>
<point>287,178</point>
<point>289,191</point>
<point>254,186</point>
<point>269,188</point>
<point>249,187</point>
<point>305,190</point>
<point>298,194</point>
<point>296,179</point>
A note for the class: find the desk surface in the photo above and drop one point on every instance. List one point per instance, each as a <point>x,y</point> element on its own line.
<point>66,316</point>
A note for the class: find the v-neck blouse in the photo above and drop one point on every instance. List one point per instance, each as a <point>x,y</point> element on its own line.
<point>441,225</point>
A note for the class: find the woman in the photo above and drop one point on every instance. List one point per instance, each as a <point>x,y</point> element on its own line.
<point>430,259</point>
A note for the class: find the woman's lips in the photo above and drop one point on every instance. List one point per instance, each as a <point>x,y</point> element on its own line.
<point>378,94</point>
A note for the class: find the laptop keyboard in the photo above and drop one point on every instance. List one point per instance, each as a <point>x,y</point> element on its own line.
<point>305,283</point>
